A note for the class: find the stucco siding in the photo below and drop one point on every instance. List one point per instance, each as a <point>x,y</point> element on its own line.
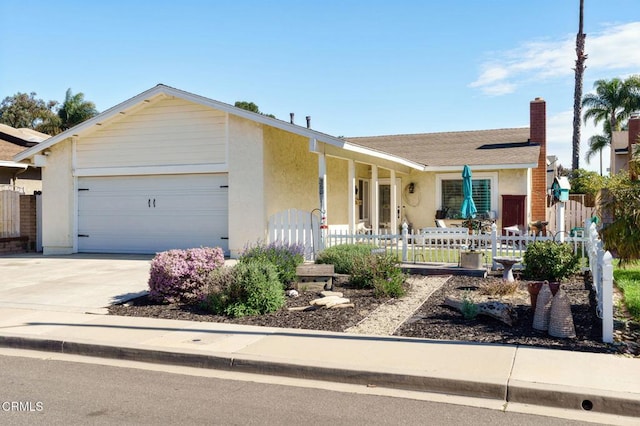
<point>291,172</point>
<point>420,207</point>
<point>337,191</point>
<point>167,132</point>
<point>58,201</point>
<point>247,219</point>
<point>512,182</point>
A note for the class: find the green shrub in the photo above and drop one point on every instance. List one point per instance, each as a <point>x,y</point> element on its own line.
<point>550,261</point>
<point>469,308</point>
<point>250,288</point>
<point>285,257</point>
<point>343,257</point>
<point>380,272</point>
<point>221,286</point>
<point>390,287</point>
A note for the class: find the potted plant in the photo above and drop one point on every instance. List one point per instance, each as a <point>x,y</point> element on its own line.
<point>548,261</point>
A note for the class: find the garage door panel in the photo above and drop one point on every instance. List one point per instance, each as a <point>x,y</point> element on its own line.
<point>146,214</point>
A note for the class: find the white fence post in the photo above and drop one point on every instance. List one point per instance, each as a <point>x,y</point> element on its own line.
<point>405,241</point>
<point>607,298</point>
<point>494,246</point>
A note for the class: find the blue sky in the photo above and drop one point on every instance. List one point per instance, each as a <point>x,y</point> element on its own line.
<point>358,68</point>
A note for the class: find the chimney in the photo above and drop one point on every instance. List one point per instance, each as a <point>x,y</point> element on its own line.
<point>634,135</point>
<point>538,134</point>
<point>308,121</point>
<point>291,117</point>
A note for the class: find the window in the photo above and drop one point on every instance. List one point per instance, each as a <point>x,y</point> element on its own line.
<point>362,200</point>
<point>449,193</point>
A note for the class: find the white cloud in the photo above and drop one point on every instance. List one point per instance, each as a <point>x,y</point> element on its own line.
<point>610,49</point>
<point>615,48</point>
<point>559,141</point>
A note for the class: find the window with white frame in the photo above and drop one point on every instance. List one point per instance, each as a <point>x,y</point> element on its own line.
<point>449,195</point>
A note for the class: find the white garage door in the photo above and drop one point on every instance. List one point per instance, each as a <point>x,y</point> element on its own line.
<point>147,214</point>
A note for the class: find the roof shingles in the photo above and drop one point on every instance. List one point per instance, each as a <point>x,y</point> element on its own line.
<point>478,147</point>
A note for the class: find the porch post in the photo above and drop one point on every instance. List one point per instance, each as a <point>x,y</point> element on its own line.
<point>322,190</point>
<point>315,147</point>
<point>393,205</point>
<point>375,208</point>
<point>351,186</point>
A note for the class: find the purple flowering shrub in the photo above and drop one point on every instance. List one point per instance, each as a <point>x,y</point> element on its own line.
<point>179,275</point>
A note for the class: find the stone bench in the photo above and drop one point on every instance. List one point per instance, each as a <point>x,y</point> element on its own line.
<point>312,273</point>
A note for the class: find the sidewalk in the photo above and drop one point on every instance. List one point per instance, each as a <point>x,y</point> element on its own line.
<point>598,383</point>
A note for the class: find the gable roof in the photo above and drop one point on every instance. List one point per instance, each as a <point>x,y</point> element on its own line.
<point>484,149</point>
<point>163,90</point>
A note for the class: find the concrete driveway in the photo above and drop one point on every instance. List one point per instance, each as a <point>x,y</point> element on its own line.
<point>74,283</point>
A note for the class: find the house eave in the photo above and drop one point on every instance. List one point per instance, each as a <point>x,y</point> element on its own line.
<point>382,155</point>
<point>479,167</point>
<point>13,165</point>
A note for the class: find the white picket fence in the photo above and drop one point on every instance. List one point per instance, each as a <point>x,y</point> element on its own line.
<point>9,211</point>
<point>601,267</point>
<point>444,245</point>
<point>296,227</point>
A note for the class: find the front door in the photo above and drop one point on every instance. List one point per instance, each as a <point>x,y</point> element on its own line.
<point>513,210</point>
<point>386,210</point>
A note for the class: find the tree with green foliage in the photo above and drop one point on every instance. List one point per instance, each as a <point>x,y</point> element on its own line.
<point>597,144</point>
<point>586,182</point>
<point>26,111</point>
<point>620,202</point>
<point>614,101</point>
<point>75,109</point>
<point>612,104</point>
<point>250,106</point>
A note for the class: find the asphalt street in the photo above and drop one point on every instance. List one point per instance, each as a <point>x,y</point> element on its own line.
<point>45,391</point>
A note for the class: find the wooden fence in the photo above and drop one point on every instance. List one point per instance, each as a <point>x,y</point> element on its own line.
<point>575,215</point>
<point>9,212</point>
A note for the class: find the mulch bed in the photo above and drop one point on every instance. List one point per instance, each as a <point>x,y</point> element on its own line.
<point>433,320</point>
<point>321,319</point>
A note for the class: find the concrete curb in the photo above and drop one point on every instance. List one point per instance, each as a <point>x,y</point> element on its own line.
<point>246,364</point>
<point>567,397</point>
<point>513,391</point>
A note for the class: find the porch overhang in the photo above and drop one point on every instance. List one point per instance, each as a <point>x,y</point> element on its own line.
<point>13,165</point>
<point>480,167</point>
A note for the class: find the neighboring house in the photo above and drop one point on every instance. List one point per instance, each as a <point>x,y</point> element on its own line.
<point>18,175</point>
<point>620,144</point>
<point>170,169</point>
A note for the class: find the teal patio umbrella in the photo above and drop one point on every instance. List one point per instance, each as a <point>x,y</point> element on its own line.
<point>468,209</point>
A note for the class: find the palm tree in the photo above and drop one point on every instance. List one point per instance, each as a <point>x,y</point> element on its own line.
<point>577,93</point>
<point>597,143</point>
<point>611,104</point>
<point>75,110</point>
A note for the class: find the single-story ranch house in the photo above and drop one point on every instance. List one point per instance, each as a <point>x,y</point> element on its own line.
<point>170,169</point>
